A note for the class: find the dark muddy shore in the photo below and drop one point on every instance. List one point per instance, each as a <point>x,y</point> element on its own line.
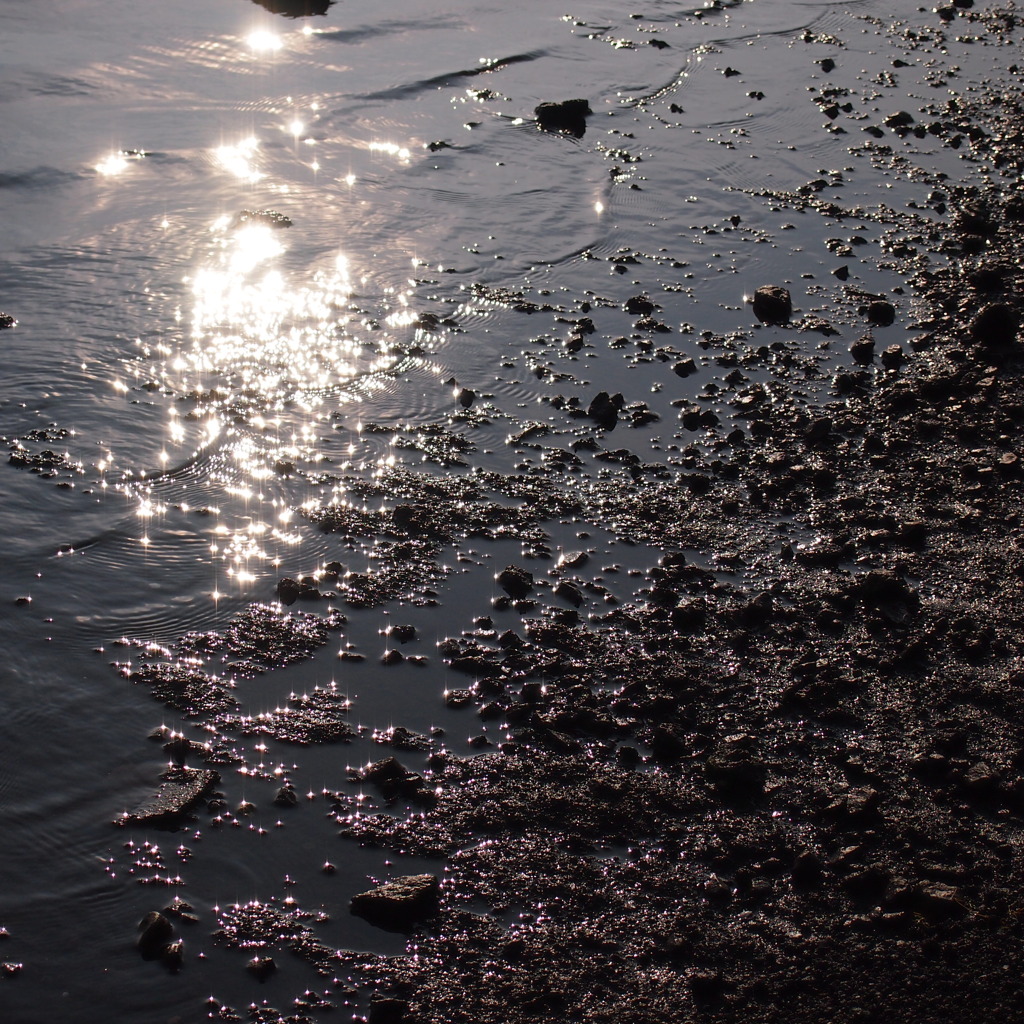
<point>777,774</point>
<point>792,798</point>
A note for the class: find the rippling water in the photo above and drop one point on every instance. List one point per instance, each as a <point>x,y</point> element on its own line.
<point>222,228</point>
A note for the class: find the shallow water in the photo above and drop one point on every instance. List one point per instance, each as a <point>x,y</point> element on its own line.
<point>201,373</point>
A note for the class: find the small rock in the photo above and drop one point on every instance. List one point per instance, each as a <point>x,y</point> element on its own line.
<point>261,967</point>
<point>387,1010</point>
<point>996,326</point>
<point>6,320</point>
<point>173,955</point>
<point>516,582</point>
<point>640,305</point>
<point>604,409</point>
<point>685,367</point>
<point>400,903</point>
<point>863,352</point>
<point>566,116</point>
<point>288,590</point>
<point>892,357</point>
<point>155,934</point>
<point>773,304</point>
<point>881,313</point>
<point>901,119</point>
<point>180,790</point>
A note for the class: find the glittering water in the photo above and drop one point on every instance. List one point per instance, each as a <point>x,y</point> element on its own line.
<point>249,254</point>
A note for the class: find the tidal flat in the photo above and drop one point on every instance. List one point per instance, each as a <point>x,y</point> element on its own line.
<point>512,515</point>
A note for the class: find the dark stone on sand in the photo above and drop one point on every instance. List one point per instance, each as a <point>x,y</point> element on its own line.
<point>773,304</point>
<point>155,934</point>
<point>400,903</point>
<point>566,116</point>
<point>881,313</point>
<point>996,325</point>
<point>181,789</point>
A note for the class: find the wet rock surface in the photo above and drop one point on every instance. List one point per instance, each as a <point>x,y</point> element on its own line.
<point>180,791</point>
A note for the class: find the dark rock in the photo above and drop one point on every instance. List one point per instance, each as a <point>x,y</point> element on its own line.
<point>880,586</point>
<point>288,590</point>
<point>286,797</point>
<point>996,326</point>
<point>640,305</point>
<point>403,633</point>
<point>181,789</point>
<point>892,357</point>
<point>901,119</point>
<point>388,1010</point>
<point>881,313</point>
<point>155,934</point>
<point>772,304</point>
<point>604,409</point>
<point>685,367</point>
<point>400,903</point>
<point>261,967</point>
<point>6,320</point>
<point>863,351</point>
<point>567,592</point>
<point>173,955</point>
<point>566,116</point>
<point>516,582</point>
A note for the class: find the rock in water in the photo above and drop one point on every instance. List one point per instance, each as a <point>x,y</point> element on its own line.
<point>516,582</point>
<point>155,934</point>
<point>604,409</point>
<point>180,790</point>
<point>6,320</point>
<point>567,116</point>
<point>772,304</point>
<point>400,903</point>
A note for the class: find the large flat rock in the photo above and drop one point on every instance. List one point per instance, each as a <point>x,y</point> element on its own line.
<point>400,903</point>
<point>181,789</point>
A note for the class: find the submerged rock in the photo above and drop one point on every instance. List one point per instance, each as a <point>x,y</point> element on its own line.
<point>400,903</point>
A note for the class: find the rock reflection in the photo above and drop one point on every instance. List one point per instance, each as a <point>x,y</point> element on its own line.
<point>296,8</point>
